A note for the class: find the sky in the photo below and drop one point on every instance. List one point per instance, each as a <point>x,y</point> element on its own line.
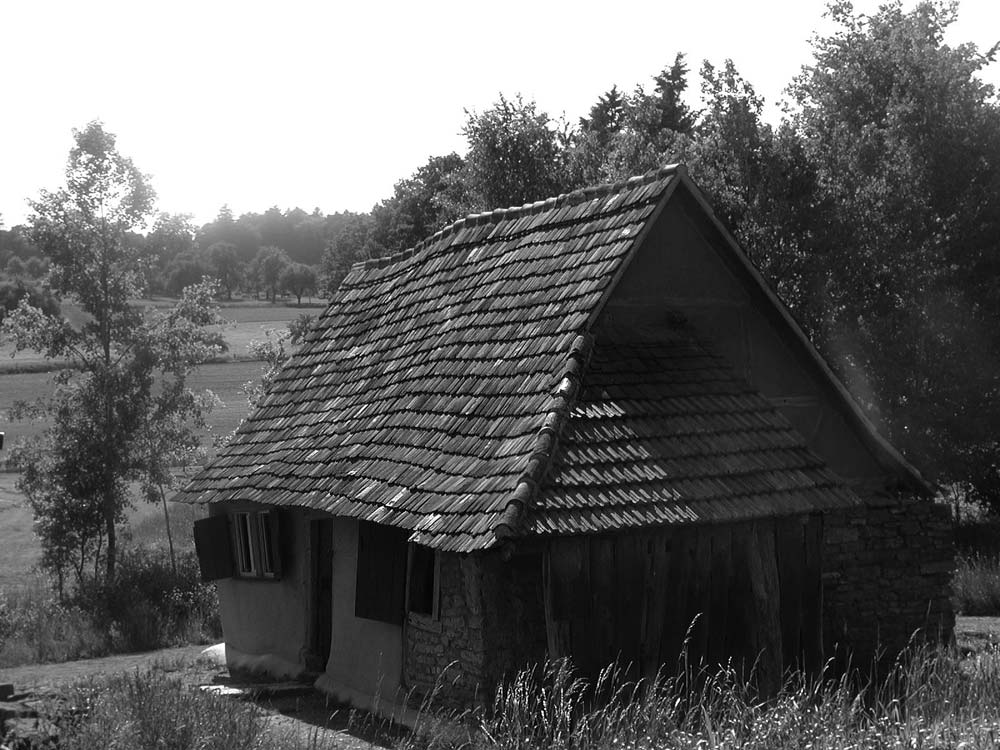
<point>329,104</point>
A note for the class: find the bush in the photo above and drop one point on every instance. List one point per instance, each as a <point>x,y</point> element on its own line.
<point>976,585</point>
<point>35,627</point>
<point>149,605</point>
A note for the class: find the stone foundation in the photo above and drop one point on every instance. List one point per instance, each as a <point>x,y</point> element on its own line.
<point>887,577</point>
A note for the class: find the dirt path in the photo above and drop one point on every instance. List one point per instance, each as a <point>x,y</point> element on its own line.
<point>36,677</point>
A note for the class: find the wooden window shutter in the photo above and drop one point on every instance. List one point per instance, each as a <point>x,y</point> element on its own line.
<point>214,548</point>
<point>380,591</point>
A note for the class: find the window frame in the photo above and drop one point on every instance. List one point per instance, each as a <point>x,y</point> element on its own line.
<point>255,545</point>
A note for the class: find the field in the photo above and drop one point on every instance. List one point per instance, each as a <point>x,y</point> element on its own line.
<point>20,381</point>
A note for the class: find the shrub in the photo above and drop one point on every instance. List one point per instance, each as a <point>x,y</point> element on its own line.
<point>976,585</point>
<point>150,605</point>
<point>35,627</point>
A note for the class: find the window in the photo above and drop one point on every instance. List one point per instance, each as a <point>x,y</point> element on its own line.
<point>255,537</point>
<point>423,582</point>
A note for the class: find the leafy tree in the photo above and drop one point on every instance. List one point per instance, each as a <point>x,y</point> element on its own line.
<point>606,116</point>
<point>514,154</point>
<point>11,294</point>
<point>126,389</point>
<point>171,238</point>
<point>671,84</point>
<point>266,269</point>
<point>351,244</point>
<point>432,197</point>
<point>298,279</point>
<point>225,228</point>
<point>186,270</point>
<point>226,265</point>
<point>35,267</point>
<point>14,267</point>
<point>905,139</point>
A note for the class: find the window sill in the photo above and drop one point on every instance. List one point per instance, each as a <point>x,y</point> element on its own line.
<point>424,622</point>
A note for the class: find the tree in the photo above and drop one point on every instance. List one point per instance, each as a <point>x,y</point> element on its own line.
<point>126,388</point>
<point>226,265</point>
<point>351,244</point>
<point>298,279</point>
<point>514,154</point>
<point>606,116</point>
<point>905,139</point>
<point>266,269</point>
<point>11,294</point>
<point>671,83</point>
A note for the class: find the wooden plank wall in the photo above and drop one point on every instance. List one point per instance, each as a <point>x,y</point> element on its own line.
<point>733,591</point>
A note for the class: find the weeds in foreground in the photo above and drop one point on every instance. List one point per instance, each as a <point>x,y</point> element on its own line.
<point>149,710</point>
<point>930,699</point>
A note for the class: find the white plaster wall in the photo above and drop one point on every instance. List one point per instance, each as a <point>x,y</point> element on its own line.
<point>366,655</point>
<point>268,618</point>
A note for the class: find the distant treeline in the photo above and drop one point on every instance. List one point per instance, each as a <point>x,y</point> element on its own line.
<point>872,207</point>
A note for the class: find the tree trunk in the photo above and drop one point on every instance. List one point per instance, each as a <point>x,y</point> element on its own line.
<point>109,529</point>
<point>170,536</point>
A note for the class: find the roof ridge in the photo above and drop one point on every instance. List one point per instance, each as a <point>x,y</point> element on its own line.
<point>512,517</point>
<point>515,212</point>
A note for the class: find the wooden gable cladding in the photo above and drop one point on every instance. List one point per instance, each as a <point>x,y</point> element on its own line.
<point>423,396</point>
<point>749,591</point>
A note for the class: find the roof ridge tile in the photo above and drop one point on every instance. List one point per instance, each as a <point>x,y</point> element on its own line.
<point>573,197</point>
<point>512,517</point>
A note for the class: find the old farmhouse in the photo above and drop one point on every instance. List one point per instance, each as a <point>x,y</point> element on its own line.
<point>563,429</point>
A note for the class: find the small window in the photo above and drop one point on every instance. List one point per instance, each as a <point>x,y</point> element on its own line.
<point>244,544</point>
<point>423,581</point>
<point>255,544</point>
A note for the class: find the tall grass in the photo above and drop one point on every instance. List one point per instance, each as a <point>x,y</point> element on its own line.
<point>931,699</point>
<point>976,585</point>
<point>149,711</point>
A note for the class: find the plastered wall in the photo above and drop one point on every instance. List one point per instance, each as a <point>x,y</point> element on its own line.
<point>262,616</point>
<point>366,655</point>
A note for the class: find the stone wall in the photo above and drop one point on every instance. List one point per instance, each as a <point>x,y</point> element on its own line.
<point>887,571</point>
<point>448,652</point>
<point>491,622</point>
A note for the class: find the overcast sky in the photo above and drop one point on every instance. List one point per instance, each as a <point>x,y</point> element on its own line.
<point>324,104</point>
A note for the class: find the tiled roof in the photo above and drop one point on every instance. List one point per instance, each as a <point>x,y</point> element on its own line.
<point>669,433</point>
<point>431,391</point>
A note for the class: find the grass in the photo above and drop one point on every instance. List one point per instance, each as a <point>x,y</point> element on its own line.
<point>931,699</point>
<point>224,380</point>
<point>976,585</point>
<point>150,710</point>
